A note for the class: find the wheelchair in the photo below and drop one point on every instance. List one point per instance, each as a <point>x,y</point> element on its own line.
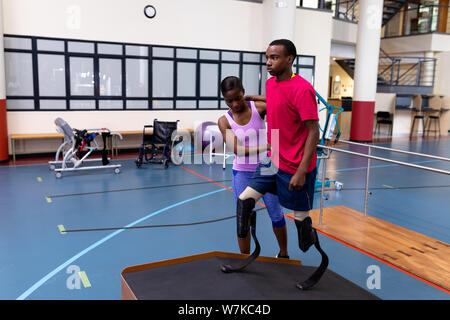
<point>159,146</point>
<point>78,145</point>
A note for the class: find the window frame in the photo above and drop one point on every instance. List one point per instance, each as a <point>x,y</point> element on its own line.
<point>216,101</point>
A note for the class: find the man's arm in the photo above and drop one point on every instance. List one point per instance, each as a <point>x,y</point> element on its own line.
<point>262,108</point>
<point>256,98</point>
<point>298,180</point>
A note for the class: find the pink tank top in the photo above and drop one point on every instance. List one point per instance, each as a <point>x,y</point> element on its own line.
<point>251,134</point>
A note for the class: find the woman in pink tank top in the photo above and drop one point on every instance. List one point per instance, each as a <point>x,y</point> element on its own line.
<point>243,128</point>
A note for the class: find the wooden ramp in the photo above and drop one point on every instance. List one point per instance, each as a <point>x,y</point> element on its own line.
<point>415,253</point>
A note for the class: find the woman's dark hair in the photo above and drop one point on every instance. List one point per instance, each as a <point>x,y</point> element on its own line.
<point>287,44</point>
<point>231,83</point>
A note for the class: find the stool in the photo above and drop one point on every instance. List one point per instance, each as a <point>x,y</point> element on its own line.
<point>419,117</point>
<point>383,117</point>
<point>437,128</point>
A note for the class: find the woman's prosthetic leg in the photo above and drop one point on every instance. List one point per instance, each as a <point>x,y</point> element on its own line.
<point>244,214</point>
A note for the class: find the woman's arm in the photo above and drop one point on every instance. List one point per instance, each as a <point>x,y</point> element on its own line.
<point>231,140</point>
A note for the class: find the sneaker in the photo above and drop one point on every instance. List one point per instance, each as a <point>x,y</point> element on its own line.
<point>305,233</point>
<point>281,257</point>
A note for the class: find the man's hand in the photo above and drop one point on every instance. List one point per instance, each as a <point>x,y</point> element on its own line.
<point>255,98</point>
<point>297,181</point>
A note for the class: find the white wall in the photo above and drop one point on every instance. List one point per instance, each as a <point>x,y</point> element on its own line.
<point>218,24</point>
<point>344,32</point>
<point>342,51</point>
<point>313,37</point>
<point>417,43</point>
<point>196,23</point>
<point>442,85</point>
<point>385,102</point>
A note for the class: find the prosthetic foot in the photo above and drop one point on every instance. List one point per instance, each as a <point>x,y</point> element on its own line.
<point>243,214</point>
<point>307,236</point>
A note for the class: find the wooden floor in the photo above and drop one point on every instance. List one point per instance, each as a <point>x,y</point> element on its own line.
<point>420,255</point>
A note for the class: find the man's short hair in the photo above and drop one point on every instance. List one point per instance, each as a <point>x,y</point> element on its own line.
<point>288,45</point>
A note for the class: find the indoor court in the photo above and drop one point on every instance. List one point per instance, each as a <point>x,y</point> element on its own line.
<point>118,175</point>
<point>36,265</point>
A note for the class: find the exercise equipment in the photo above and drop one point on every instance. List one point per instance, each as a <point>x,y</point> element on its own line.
<point>331,129</point>
<point>202,135</point>
<point>78,145</point>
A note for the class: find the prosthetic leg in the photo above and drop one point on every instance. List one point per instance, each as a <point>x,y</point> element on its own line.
<point>244,212</point>
<point>307,236</point>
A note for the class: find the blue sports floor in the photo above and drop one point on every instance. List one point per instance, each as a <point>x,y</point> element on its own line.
<point>38,262</point>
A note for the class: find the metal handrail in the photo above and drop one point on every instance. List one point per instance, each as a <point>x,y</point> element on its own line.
<point>396,150</point>
<point>370,157</point>
<point>387,160</point>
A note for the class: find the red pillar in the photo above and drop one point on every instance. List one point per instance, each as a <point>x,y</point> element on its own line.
<point>3,128</point>
<point>362,121</point>
<point>366,69</point>
<point>3,132</point>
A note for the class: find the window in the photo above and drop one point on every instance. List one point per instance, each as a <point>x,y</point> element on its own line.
<point>63,74</point>
<point>209,77</point>
<point>19,79</point>
<point>136,78</point>
<point>110,77</point>
<point>186,80</point>
<point>51,74</point>
<point>81,76</point>
<point>162,78</point>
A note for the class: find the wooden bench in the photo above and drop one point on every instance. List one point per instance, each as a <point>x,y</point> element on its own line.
<point>30,136</point>
<point>14,137</point>
<point>113,143</point>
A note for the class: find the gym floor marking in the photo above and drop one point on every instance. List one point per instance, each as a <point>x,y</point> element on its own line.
<point>84,279</point>
<point>43,280</point>
<point>131,189</point>
<point>61,228</point>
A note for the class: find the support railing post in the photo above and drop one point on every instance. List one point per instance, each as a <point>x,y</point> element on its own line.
<point>336,9</point>
<point>392,71</point>
<point>434,72</point>
<point>353,10</point>
<point>324,170</point>
<point>366,194</point>
<point>419,67</point>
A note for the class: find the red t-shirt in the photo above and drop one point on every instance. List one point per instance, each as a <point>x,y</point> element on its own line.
<point>289,104</point>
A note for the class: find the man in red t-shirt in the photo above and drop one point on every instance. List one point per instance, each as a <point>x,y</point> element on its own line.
<point>291,170</point>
